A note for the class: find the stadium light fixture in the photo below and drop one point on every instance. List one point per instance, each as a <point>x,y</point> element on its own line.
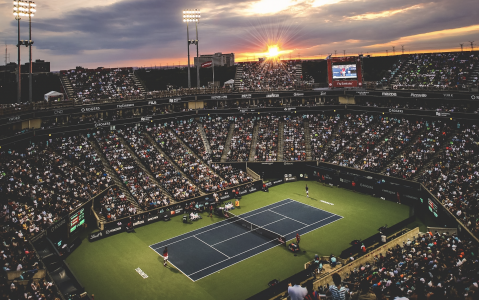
<point>24,9</point>
<point>189,16</point>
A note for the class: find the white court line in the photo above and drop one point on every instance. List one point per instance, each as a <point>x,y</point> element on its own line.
<point>210,246</point>
<point>226,221</point>
<point>266,210</point>
<point>312,207</point>
<point>253,255</point>
<point>173,265</point>
<point>232,257</point>
<point>291,201</point>
<point>269,242</point>
<point>246,232</point>
<point>287,217</point>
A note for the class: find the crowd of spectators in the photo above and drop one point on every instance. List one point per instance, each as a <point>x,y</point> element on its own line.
<point>320,129</point>
<point>145,191</point>
<point>41,289</point>
<point>232,175</point>
<point>114,205</point>
<point>420,151</point>
<point>242,137</point>
<point>199,173</point>
<point>216,130</point>
<point>361,143</point>
<point>437,70</point>
<point>379,156</point>
<point>45,185</point>
<point>267,140</point>
<point>430,266</point>
<point>453,176</point>
<point>268,75</point>
<point>348,126</point>
<point>294,143</point>
<point>165,173</point>
<point>189,131</point>
<point>78,150</point>
<point>94,84</point>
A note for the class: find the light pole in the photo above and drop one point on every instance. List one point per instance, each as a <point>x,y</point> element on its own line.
<point>191,15</point>
<point>197,54</point>
<point>31,12</point>
<point>23,9</point>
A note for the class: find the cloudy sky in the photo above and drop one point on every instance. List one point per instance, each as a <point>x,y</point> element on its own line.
<point>110,33</point>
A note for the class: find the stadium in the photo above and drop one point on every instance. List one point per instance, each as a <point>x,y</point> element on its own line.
<point>352,176</point>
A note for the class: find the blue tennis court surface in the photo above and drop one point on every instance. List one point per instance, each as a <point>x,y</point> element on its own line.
<point>207,250</point>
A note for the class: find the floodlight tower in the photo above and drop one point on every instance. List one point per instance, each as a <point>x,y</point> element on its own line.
<point>197,53</point>
<point>32,9</point>
<point>19,12</point>
<point>191,15</point>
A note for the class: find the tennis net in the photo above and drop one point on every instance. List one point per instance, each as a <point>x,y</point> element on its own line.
<point>256,229</point>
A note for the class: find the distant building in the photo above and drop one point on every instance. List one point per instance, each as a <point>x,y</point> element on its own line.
<point>38,66</point>
<point>219,59</point>
<point>10,67</point>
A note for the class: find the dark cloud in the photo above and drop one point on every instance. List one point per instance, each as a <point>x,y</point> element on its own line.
<point>153,29</point>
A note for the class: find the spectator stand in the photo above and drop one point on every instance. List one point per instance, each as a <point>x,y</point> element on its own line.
<point>216,130</point>
<point>169,177</point>
<point>260,76</point>
<point>140,183</point>
<point>322,128</point>
<point>109,170</point>
<point>426,147</point>
<point>163,193</point>
<point>437,71</point>
<point>294,143</point>
<point>393,145</point>
<point>346,268</point>
<point>266,148</point>
<point>452,175</point>
<point>242,138</point>
<point>101,83</point>
<point>198,172</point>
<point>350,125</point>
<point>363,143</point>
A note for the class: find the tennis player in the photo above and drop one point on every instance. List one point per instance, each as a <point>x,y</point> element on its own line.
<point>165,256</point>
<point>307,191</point>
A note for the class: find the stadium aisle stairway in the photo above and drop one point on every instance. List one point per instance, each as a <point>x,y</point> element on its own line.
<point>180,140</point>
<point>67,86</point>
<point>139,83</point>
<point>228,143</point>
<point>254,142</point>
<point>147,171</point>
<point>238,76</point>
<point>203,136</point>
<point>114,175</point>
<point>280,140</point>
<point>168,158</point>
<point>307,136</point>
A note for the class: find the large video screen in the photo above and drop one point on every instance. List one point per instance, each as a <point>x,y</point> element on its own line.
<point>344,72</point>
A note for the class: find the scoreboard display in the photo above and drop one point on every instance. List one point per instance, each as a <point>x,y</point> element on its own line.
<point>77,219</point>
<point>432,207</point>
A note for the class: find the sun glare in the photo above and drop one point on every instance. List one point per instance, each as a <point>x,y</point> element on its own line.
<point>273,51</point>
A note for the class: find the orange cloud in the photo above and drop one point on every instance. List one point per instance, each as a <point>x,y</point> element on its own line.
<point>384,14</point>
<point>429,36</point>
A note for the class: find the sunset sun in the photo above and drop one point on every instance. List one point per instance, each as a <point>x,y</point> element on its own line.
<point>273,51</point>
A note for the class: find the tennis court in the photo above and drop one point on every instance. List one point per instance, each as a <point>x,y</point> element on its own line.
<point>212,248</point>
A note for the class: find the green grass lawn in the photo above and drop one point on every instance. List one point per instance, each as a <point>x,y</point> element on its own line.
<point>106,268</point>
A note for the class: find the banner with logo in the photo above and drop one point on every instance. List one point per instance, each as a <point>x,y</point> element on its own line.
<point>207,64</point>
